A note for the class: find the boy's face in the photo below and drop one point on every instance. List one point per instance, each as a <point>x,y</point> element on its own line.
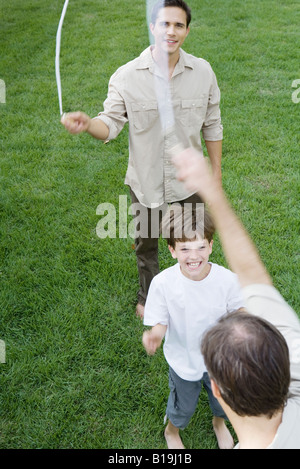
<point>170,29</point>
<point>193,257</point>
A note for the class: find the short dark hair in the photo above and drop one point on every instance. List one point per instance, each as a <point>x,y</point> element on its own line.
<point>171,3</point>
<point>187,222</point>
<point>248,358</point>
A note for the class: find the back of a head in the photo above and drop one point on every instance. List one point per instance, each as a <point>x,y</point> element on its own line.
<point>248,358</point>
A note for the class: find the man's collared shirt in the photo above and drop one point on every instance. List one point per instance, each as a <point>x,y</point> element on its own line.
<point>137,94</point>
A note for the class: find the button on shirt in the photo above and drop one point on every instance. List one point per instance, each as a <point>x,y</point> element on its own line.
<point>132,98</point>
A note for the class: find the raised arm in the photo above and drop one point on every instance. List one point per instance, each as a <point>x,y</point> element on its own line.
<point>239,249</point>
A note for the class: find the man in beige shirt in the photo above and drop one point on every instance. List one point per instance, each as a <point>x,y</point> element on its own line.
<point>132,97</point>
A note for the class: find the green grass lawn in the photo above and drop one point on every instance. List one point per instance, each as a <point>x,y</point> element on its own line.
<point>76,374</point>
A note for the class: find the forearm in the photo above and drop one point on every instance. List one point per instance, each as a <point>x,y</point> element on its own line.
<point>98,129</point>
<point>238,247</point>
<point>214,150</point>
<point>160,330</point>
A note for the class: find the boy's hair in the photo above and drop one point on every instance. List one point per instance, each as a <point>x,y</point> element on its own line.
<point>248,358</point>
<point>187,222</point>
<point>171,3</point>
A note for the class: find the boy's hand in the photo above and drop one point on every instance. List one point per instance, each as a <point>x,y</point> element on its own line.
<point>76,122</point>
<point>152,339</point>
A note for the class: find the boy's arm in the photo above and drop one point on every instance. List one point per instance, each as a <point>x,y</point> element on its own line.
<point>239,250</point>
<point>77,122</point>
<point>152,339</point>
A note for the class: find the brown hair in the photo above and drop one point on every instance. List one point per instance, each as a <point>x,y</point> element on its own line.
<point>187,222</point>
<point>248,358</point>
<point>171,3</point>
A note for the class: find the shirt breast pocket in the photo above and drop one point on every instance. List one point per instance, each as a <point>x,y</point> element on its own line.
<point>192,112</point>
<point>144,114</point>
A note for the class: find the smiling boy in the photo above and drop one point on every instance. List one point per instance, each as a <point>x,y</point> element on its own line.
<point>183,301</point>
<point>192,256</point>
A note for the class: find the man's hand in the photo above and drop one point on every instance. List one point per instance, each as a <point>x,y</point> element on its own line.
<point>194,171</point>
<point>76,122</point>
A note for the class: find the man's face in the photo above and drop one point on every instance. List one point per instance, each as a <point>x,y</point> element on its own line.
<point>193,257</point>
<point>170,29</point>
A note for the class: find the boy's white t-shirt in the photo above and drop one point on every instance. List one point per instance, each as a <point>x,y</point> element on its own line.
<point>188,308</point>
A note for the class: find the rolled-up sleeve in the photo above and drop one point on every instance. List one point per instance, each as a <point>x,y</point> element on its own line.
<point>212,129</point>
<point>265,301</point>
<point>114,114</point>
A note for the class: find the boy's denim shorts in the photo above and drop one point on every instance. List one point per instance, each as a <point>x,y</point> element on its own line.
<point>184,396</point>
